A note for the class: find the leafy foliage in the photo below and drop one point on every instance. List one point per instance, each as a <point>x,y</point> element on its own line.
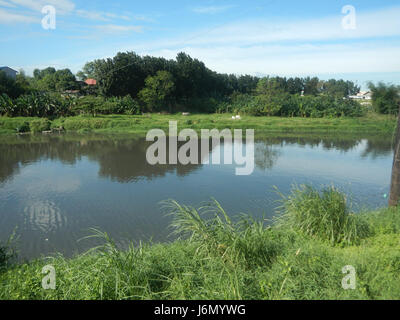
<point>51,105</point>
<point>287,105</point>
<point>157,91</point>
<point>195,84</point>
<point>385,98</point>
<point>181,84</point>
<point>50,79</point>
<point>11,87</point>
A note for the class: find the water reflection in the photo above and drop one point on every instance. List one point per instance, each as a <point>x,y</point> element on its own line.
<point>56,187</point>
<point>119,159</point>
<point>124,160</point>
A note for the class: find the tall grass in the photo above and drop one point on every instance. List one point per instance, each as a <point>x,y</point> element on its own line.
<point>216,257</point>
<point>322,214</point>
<point>246,240</point>
<point>8,251</point>
<point>375,124</point>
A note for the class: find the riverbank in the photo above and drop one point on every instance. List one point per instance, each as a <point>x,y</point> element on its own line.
<point>300,257</point>
<point>372,124</point>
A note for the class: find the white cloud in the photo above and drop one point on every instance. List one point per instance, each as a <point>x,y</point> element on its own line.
<point>294,59</point>
<point>370,24</point>
<point>92,15</point>
<point>112,28</point>
<point>62,6</point>
<point>101,16</point>
<point>6,4</point>
<point>13,18</point>
<point>145,18</point>
<point>211,9</point>
<point>33,14</point>
<point>297,47</point>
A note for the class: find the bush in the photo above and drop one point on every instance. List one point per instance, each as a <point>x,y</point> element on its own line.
<point>323,215</point>
<point>290,105</point>
<point>246,239</point>
<point>39,125</point>
<point>35,105</point>
<point>125,105</point>
<point>98,105</point>
<point>24,127</point>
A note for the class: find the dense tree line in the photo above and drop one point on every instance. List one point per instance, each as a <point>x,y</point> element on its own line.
<point>132,84</point>
<point>129,73</point>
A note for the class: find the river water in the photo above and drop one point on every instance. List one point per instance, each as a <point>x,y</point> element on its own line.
<point>54,188</point>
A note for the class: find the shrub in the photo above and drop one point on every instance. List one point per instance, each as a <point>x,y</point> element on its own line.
<point>35,105</point>
<point>98,105</point>
<point>127,105</point>
<point>323,215</point>
<point>290,105</point>
<point>24,127</point>
<point>246,239</point>
<point>6,105</point>
<point>39,125</point>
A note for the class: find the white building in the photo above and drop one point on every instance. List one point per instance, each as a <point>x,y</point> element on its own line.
<point>9,72</point>
<point>362,95</point>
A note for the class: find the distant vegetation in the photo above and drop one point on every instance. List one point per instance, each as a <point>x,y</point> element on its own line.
<point>223,258</point>
<point>385,97</point>
<point>131,84</point>
<point>141,124</point>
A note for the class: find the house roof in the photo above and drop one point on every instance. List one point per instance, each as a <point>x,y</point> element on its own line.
<point>364,93</point>
<point>91,82</point>
<point>10,69</point>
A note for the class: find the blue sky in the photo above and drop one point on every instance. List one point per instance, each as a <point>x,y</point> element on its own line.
<point>260,37</point>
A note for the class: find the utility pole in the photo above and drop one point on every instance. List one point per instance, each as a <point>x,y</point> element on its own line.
<point>395,184</point>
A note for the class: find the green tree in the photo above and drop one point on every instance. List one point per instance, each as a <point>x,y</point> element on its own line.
<point>312,86</point>
<point>339,88</point>
<point>385,98</point>
<point>50,79</point>
<point>157,91</point>
<point>9,86</point>
<point>88,71</point>
<point>65,80</point>
<point>23,81</point>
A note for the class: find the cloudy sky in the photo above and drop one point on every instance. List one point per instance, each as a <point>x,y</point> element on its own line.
<point>259,37</point>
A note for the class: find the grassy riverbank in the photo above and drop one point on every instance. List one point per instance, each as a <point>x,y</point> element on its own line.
<point>371,123</point>
<point>301,256</point>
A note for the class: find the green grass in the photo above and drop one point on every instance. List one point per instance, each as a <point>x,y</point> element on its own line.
<point>372,123</point>
<point>322,214</point>
<point>220,258</point>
